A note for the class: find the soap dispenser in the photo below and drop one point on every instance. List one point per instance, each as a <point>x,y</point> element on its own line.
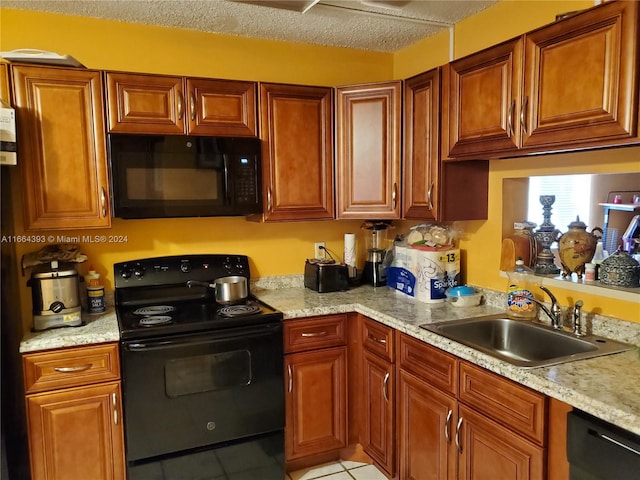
<point>522,284</point>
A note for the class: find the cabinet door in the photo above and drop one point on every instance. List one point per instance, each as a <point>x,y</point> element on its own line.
<point>62,147</point>
<point>150,104</point>
<point>368,164</point>
<point>221,107</point>
<point>426,424</point>
<point>488,451</point>
<point>76,434</point>
<point>482,98</point>
<point>316,402</point>
<point>297,155</point>
<point>581,78</point>
<point>420,184</point>
<point>379,432</point>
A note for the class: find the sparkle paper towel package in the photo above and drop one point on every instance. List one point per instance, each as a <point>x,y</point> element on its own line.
<point>350,253</point>
<point>424,274</point>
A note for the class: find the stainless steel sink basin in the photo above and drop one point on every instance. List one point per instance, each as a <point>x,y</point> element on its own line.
<point>524,343</point>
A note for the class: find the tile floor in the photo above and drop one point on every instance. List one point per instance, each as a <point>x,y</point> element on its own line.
<point>342,470</point>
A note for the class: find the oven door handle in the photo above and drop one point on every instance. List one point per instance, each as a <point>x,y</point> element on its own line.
<point>227,194</point>
<point>260,331</point>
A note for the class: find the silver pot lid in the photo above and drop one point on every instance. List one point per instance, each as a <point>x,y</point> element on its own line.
<point>54,270</point>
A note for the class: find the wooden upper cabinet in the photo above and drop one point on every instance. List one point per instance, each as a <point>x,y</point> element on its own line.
<point>420,187</point>
<point>296,125</point>
<point>154,104</point>
<point>61,140</point>
<point>4,83</point>
<point>571,84</point>
<point>369,121</point>
<point>480,100</point>
<point>581,79</point>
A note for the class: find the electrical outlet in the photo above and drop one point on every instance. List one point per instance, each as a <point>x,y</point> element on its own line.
<point>319,252</point>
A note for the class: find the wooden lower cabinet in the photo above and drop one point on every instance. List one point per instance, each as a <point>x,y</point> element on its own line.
<point>379,433</point>
<point>76,433</point>
<point>488,451</point>
<point>425,430</point>
<point>442,438</point>
<point>316,402</point>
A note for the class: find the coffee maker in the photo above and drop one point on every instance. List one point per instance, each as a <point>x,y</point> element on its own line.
<point>376,245</point>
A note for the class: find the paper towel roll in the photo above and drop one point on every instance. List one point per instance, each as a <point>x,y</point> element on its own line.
<point>350,253</point>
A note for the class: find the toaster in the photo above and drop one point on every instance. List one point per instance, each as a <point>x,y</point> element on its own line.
<point>325,277</point>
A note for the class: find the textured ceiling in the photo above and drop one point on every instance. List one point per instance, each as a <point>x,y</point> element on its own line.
<point>377,25</point>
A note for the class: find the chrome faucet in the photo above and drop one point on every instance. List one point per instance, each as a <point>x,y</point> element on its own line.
<point>577,315</point>
<point>555,313</point>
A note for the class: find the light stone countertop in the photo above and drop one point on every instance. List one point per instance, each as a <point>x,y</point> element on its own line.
<point>96,328</point>
<point>607,387</point>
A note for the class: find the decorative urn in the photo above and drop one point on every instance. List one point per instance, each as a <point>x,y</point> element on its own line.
<point>620,270</point>
<point>576,247</point>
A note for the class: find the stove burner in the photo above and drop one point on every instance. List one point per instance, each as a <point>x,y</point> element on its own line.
<point>238,310</point>
<point>154,310</point>
<point>154,320</point>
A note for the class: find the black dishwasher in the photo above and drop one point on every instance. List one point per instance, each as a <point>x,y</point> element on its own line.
<point>600,451</point>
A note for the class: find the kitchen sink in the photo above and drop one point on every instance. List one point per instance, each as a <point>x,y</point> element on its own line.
<point>524,343</point>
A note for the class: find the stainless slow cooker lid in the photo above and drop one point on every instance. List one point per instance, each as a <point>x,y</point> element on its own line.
<point>54,270</point>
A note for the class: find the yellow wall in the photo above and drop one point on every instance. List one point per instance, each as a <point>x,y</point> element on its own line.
<point>280,249</point>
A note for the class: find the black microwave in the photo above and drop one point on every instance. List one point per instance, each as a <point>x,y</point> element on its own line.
<point>154,176</point>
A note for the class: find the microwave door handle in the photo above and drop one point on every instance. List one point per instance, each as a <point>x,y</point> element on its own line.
<point>227,196</point>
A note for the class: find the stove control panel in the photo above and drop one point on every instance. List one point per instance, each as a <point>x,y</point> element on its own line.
<point>162,271</point>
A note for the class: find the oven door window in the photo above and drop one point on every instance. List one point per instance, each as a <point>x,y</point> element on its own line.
<point>207,373</point>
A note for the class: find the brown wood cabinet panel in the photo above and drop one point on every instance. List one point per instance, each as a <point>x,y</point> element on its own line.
<point>426,423</point>
<point>141,103</point>
<point>480,101</point>
<point>296,125</point>
<point>312,333</point>
<point>581,80</point>
<point>428,363</point>
<point>76,434</point>
<point>378,338</point>
<point>221,107</point>
<point>514,406</point>
<point>379,425</point>
<point>316,402</point>
<point>5,92</point>
<point>369,121</point>
<point>489,451</point>
<point>557,461</point>
<point>63,159</point>
<point>57,369</point>
<point>421,179</point>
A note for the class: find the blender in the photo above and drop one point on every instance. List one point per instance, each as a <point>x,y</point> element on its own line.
<point>375,242</point>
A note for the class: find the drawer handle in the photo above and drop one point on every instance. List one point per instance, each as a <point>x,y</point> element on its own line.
<point>458,427</point>
<point>103,201</point>
<point>615,442</point>
<point>314,334</point>
<point>290,378</point>
<point>115,408</point>
<point>429,196</point>
<point>79,368</point>
<point>385,387</point>
<point>447,426</point>
<point>180,106</point>
<point>510,118</point>
<point>379,340</point>
<point>523,115</point>
<point>192,106</point>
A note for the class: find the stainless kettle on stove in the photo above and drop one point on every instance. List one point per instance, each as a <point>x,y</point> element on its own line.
<point>55,296</point>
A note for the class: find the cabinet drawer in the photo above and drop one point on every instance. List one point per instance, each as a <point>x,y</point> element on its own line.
<point>69,368</point>
<point>378,338</point>
<point>428,363</point>
<point>314,332</point>
<point>512,405</point>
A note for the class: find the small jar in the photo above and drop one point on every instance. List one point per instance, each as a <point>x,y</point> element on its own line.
<point>617,199</point>
<point>589,272</point>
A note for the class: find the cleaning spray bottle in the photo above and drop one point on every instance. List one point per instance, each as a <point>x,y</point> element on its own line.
<point>522,284</point>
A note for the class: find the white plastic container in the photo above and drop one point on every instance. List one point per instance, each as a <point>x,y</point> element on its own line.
<point>463,296</point>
